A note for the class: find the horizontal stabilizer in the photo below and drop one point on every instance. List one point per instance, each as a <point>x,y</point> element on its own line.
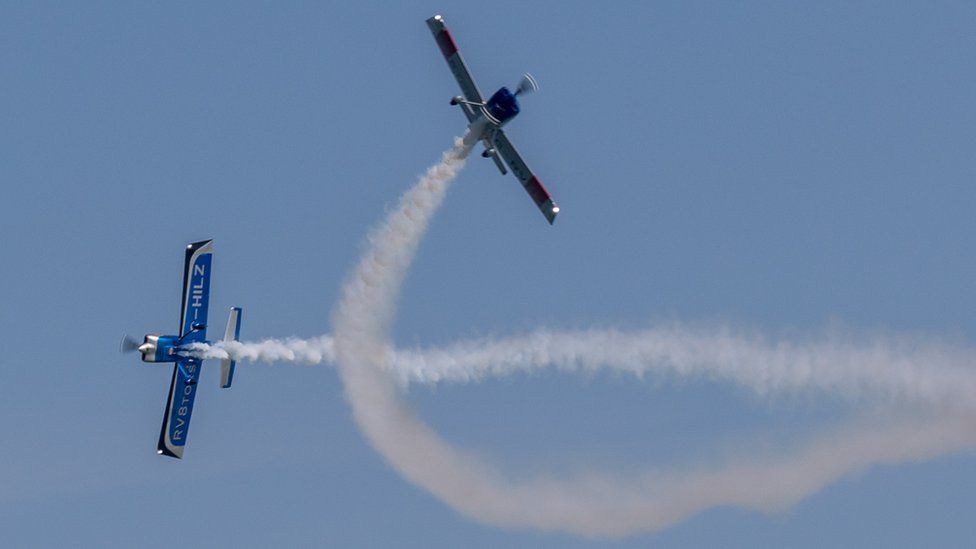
<point>233,333</point>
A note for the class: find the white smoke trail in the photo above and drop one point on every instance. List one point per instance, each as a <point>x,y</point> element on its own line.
<point>895,369</point>
<point>308,351</point>
<point>920,395</point>
<point>595,505</point>
<point>883,368</point>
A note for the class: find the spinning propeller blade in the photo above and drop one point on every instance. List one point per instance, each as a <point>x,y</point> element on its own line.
<point>128,344</point>
<point>526,85</point>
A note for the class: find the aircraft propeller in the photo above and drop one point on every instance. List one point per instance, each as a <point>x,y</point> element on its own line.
<point>526,85</point>
<point>129,344</point>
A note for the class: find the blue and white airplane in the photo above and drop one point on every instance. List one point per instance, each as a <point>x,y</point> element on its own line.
<point>172,348</point>
<point>486,118</point>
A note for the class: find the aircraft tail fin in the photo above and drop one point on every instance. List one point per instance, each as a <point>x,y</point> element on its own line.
<point>233,333</point>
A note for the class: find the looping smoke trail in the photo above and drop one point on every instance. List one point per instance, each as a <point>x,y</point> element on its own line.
<point>935,381</point>
<point>595,505</point>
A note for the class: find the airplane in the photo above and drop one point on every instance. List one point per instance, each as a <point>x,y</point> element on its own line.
<point>172,348</point>
<point>486,118</point>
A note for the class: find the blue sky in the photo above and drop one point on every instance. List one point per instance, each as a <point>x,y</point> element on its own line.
<point>776,167</point>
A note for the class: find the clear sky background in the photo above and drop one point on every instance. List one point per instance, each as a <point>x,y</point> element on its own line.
<point>782,168</point>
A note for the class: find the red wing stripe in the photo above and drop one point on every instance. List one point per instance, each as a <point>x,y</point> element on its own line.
<point>446,43</point>
<point>538,193</point>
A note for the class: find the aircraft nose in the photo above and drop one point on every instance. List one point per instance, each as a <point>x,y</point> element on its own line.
<point>146,348</point>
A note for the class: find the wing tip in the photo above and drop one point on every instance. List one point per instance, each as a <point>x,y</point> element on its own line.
<point>551,215</point>
<point>163,450</point>
<point>199,244</point>
<point>442,36</point>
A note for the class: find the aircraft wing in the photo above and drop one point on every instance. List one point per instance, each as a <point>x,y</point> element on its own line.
<point>196,290</point>
<point>179,407</point>
<point>454,60</point>
<point>532,185</point>
<point>193,328</point>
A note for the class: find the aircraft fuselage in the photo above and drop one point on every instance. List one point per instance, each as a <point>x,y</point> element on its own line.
<point>499,110</point>
<point>160,348</point>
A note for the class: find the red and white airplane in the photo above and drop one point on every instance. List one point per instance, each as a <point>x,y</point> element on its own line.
<point>486,118</point>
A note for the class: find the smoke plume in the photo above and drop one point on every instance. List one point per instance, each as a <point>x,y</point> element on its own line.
<point>917,397</point>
